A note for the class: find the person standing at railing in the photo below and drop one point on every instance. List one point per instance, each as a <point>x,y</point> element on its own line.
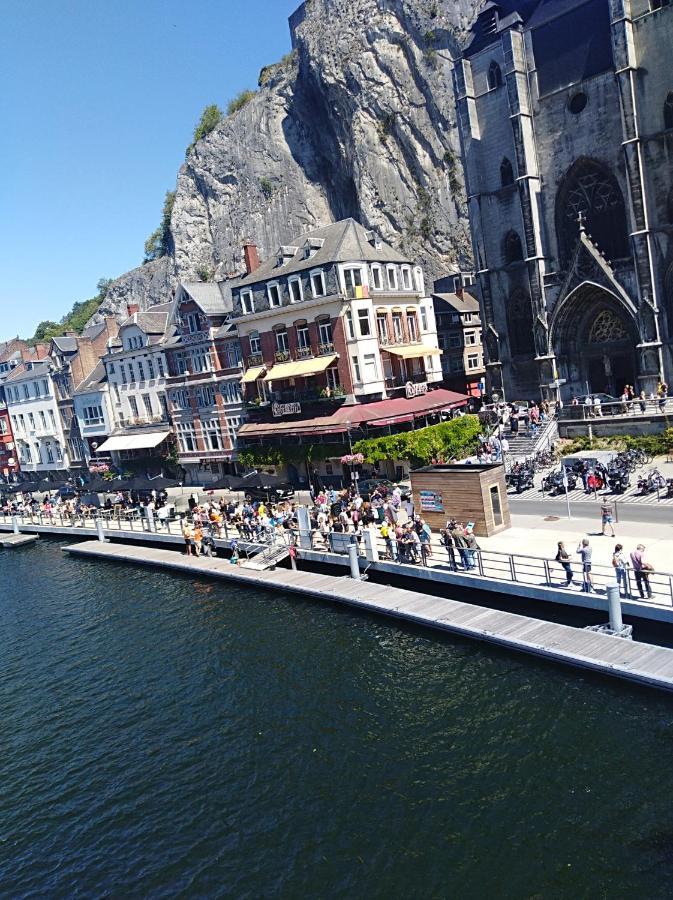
<point>619,563</point>
<point>472,547</point>
<point>642,569</point>
<point>461,544</point>
<point>662,394</point>
<point>563,559</point>
<point>447,540</point>
<point>585,551</point>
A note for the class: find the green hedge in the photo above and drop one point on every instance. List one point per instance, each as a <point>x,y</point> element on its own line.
<point>277,454</point>
<point>654,444</point>
<point>446,441</point>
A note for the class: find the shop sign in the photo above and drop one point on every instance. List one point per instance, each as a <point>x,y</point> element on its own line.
<point>431,501</point>
<point>285,409</point>
<point>416,390</point>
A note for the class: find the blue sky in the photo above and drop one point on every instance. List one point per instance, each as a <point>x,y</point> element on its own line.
<point>98,103</point>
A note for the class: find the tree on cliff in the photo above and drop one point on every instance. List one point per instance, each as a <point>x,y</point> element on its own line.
<point>210,118</point>
<point>159,242</point>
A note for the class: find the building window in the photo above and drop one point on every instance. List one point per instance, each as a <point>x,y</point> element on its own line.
<point>296,290</point>
<point>303,339</point>
<point>26,392</point>
<point>520,325</point>
<point>318,283</point>
<point>412,328</point>
<point>364,324</point>
<point>668,111</point>
<point>150,368</point>
<point>577,102</point>
<point>52,419</point>
<point>455,341</point>
<point>470,338</point>
<point>147,403</point>
<point>382,327</point>
<point>255,344</point>
<point>160,366</point>
<point>325,331</point>
<point>186,436</point>
<point>494,76</point>
<point>356,369</point>
<point>93,415</point>
<point>371,369</point>
<point>141,371</point>
<point>350,330</point>
<point>352,280</point>
<point>282,343</point>
<point>134,407</point>
<point>247,302</point>
<point>473,361</point>
<point>424,319</point>
<point>274,294</point>
<point>406,278</point>
<point>391,272</point>
<point>377,279</point>
<point>398,331</point>
<point>31,421</point>
<point>506,173</point>
<point>212,432</point>
<point>512,249</point>
<point>45,387</point>
<point>193,322</point>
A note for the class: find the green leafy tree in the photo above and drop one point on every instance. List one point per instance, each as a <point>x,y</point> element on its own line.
<point>45,330</point>
<point>210,118</point>
<point>448,440</point>
<point>160,242</point>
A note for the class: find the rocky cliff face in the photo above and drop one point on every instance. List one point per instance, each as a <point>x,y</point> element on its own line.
<point>358,121</point>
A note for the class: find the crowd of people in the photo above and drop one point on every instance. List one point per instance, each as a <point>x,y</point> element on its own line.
<point>628,402</point>
<point>637,562</point>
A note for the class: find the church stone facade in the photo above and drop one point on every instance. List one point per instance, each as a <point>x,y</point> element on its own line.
<point>565,110</point>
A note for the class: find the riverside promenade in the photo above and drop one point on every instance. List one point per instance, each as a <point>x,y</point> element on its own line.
<point>640,663</point>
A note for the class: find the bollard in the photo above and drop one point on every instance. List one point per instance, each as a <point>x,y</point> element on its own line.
<point>150,518</point>
<point>15,525</point>
<point>304,521</point>
<point>615,608</point>
<point>354,561</point>
<point>371,550</point>
<point>99,530</point>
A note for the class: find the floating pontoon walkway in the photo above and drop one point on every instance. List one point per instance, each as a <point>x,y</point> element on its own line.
<point>16,540</point>
<point>642,663</point>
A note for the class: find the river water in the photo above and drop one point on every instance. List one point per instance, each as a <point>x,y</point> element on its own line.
<point>162,737</point>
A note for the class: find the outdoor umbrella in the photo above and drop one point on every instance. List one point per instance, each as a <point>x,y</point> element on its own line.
<point>90,500</point>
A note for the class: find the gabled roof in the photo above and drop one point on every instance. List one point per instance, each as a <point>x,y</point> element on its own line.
<point>342,241</point>
<point>65,343</point>
<point>507,14</point>
<point>459,303</point>
<point>93,380</point>
<point>214,298</point>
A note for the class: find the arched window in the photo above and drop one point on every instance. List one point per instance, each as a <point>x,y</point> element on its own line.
<point>494,76</point>
<point>668,111</point>
<point>520,324</point>
<point>512,249</point>
<point>506,173</point>
<point>590,189</point>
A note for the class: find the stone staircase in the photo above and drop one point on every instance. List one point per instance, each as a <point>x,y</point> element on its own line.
<point>521,446</point>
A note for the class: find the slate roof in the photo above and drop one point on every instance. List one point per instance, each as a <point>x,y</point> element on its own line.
<point>463,304</point>
<point>214,297</point>
<point>93,380</point>
<point>65,344</point>
<point>342,241</point>
<point>509,14</point>
<point>37,370</point>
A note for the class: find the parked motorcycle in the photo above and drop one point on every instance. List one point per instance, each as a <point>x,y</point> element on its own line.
<point>618,479</point>
<point>652,482</point>
<point>553,483</point>
<point>521,481</point>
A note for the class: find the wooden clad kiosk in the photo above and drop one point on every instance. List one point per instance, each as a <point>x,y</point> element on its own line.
<point>466,493</point>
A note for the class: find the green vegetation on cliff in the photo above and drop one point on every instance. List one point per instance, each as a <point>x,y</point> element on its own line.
<point>76,319</point>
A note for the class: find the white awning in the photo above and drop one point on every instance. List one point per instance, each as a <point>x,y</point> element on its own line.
<point>133,441</point>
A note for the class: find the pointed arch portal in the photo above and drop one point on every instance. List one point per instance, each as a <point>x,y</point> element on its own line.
<point>595,338</point>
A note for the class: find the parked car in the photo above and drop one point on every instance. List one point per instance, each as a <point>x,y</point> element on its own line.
<point>367,486</point>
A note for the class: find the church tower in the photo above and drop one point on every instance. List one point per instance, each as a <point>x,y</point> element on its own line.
<point>565,112</point>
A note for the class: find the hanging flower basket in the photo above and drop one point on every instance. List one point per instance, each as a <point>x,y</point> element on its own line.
<point>352,459</point>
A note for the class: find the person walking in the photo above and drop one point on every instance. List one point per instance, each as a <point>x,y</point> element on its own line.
<point>642,569</point>
<point>563,559</point>
<point>585,552</point>
<point>607,519</point>
<point>619,564</point>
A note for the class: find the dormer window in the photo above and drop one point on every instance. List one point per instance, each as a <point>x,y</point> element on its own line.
<point>406,278</point>
<point>193,322</point>
<point>295,288</point>
<point>273,292</point>
<point>247,303</point>
<point>312,246</point>
<point>318,283</point>
<point>377,278</point>
<point>391,272</point>
<point>285,254</point>
<point>374,239</point>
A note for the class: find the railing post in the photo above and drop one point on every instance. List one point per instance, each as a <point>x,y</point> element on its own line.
<point>615,607</point>
<point>547,571</point>
<point>511,567</point>
<point>354,560</point>
<point>99,530</point>
<point>480,563</point>
<point>15,525</point>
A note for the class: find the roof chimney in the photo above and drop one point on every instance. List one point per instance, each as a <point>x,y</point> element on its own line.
<point>251,257</point>
<point>132,308</point>
<point>459,292</point>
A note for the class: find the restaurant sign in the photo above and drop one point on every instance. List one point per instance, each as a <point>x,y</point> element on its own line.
<point>416,390</point>
<point>431,501</point>
<point>285,409</point>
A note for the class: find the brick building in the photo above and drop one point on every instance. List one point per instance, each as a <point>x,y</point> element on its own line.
<point>459,334</point>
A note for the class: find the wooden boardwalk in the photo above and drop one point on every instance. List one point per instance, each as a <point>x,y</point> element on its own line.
<point>645,664</point>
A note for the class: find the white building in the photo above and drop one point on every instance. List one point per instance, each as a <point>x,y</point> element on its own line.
<point>36,422</point>
<point>93,409</point>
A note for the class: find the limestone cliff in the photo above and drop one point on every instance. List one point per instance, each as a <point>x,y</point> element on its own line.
<point>358,121</point>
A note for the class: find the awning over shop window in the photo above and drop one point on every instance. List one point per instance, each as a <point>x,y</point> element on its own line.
<point>302,368</point>
<point>253,374</point>
<point>134,441</point>
<point>414,350</point>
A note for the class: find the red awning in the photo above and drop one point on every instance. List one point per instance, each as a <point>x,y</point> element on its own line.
<point>377,414</point>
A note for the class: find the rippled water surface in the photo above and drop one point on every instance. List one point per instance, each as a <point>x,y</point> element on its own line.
<point>162,737</point>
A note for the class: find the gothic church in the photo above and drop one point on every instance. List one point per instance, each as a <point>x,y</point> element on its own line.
<point>565,110</point>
